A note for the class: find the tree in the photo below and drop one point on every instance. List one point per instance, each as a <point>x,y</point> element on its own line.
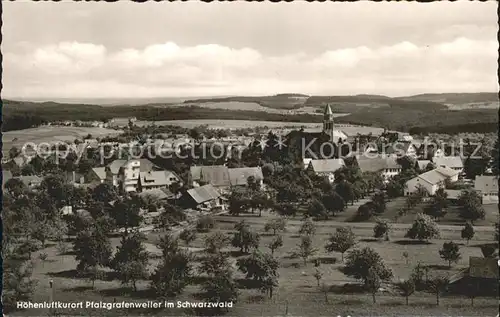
<point>238,202</point>
<point>244,238</point>
<point>394,188</point>
<point>215,263</point>
<point>333,202</point>
<point>215,242</point>
<point>304,249</point>
<point>373,282</point>
<point>423,228</point>
<point>379,203</point>
<point>262,268</point>
<point>341,241</point>
<point>365,211</point>
<point>276,225</point>
<point>173,274</point>
<point>188,236</point>
<point>307,228</point>
<point>450,252</point>
<point>405,255</point>
<point>205,224</point>
<point>18,284</point>
<point>497,230</point>
<point>126,213</point>
<point>105,193</point>
<point>317,209</point>
<point>345,190</point>
<point>438,205</point>
<point>318,275</point>
<point>471,206</point>
<point>468,232</point>
<point>14,152</point>
<point>276,243</point>
<point>359,262</point>
<point>131,259</point>
<point>438,285</point>
<point>381,229</point>
<point>406,288</point>
<point>219,289</point>
<point>488,251</point>
<point>92,249</point>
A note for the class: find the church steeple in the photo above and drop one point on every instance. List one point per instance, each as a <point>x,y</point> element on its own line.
<point>328,119</point>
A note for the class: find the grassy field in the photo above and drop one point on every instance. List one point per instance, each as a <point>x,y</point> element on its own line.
<point>297,294</point>
<point>237,124</point>
<point>51,134</point>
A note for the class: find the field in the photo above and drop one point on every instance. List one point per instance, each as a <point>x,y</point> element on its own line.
<point>50,134</point>
<point>298,293</point>
<point>238,124</point>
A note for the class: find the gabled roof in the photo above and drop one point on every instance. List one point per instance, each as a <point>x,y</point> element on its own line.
<point>328,110</point>
<point>145,165</point>
<point>447,172</point>
<point>486,183</point>
<point>432,177</point>
<point>449,161</point>
<point>239,176</point>
<point>376,164</point>
<point>217,175</point>
<point>422,164</point>
<point>156,178</point>
<point>483,267</point>
<point>203,193</point>
<point>100,172</point>
<point>114,166</point>
<point>326,166</point>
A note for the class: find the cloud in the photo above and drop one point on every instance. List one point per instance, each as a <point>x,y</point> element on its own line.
<point>72,69</point>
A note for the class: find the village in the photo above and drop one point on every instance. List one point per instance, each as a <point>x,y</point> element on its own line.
<point>376,202</point>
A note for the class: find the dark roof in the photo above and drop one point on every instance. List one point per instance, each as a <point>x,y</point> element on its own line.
<point>376,164</point>
<point>203,193</point>
<point>326,166</point>
<point>217,175</point>
<point>483,267</point>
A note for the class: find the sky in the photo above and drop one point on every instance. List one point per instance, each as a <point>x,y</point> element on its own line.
<point>131,50</point>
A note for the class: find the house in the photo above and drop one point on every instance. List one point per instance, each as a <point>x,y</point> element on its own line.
<point>481,278</point>
<point>239,176</point>
<point>453,162</point>
<point>216,175</point>
<point>305,162</point>
<point>31,181</point>
<point>387,166</point>
<point>487,186</point>
<point>451,174</point>
<point>122,172</point>
<point>96,174</point>
<point>422,164</point>
<point>206,196</point>
<point>326,168</point>
<point>431,181</point>
<point>156,180</point>
<point>400,149</point>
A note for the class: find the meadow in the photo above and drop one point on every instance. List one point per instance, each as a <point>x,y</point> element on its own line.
<point>297,293</point>
<point>51,134</point>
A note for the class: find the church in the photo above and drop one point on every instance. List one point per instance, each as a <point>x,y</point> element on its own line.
<point>317,138</point>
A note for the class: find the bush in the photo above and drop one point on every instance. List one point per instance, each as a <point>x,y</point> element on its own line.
<point>205,224</point>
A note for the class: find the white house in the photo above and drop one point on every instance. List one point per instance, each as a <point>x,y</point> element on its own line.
<point>487,186</point>
<point>326,168</point>
<point>453,162</point>
<point>125,173</point>
<point>386,166</point>
<point>431,181</point>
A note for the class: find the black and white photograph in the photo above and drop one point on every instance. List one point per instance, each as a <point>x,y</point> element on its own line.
<point>248,159</point>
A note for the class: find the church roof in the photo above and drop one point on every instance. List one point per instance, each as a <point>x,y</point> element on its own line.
<point>328,110</point>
